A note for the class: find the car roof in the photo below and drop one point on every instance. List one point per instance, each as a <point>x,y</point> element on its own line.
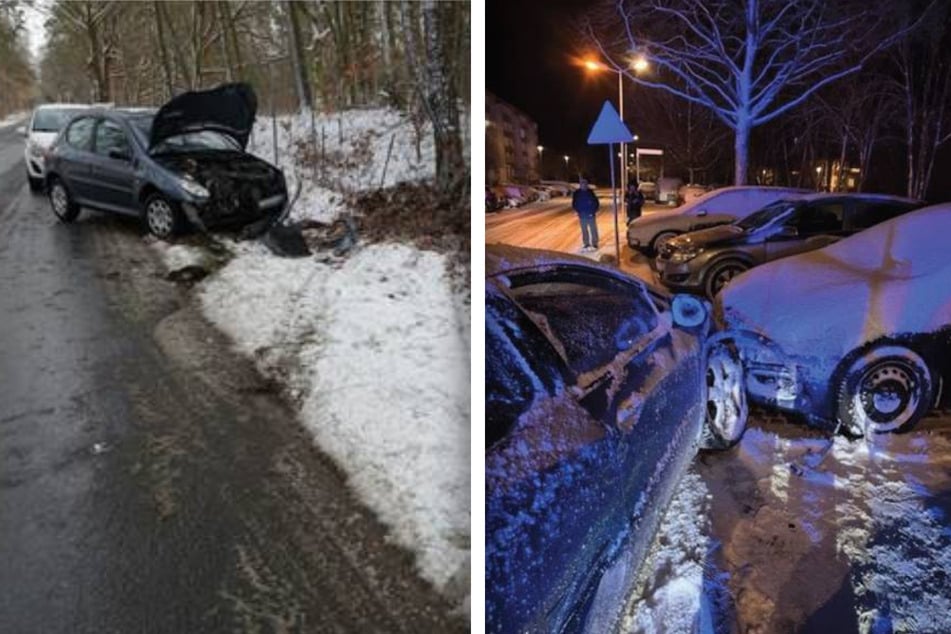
<point>504,259</point>
<point>861,196</point>
<point>62,106</point>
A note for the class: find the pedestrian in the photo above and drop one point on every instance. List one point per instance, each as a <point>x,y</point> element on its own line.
<point>585,203</point>
<point>634,200</point>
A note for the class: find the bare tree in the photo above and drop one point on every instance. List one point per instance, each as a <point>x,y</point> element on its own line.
<point>924,70</point>
<point>748,61</point>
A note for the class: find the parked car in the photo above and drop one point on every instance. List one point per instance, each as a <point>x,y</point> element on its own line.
<point>689,193</point>
<point>857,334</point>
<point>598,391</point>
<point>557,188</point>
<point>492,201</point>
<point>649,189</point>
<point>667,191</point>
<point>44,126</point>
<point>184,164</point>
<point>719,207</point>
<point>705,261</point>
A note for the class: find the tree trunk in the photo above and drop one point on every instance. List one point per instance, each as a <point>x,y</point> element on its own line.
<point>301,82</point>
<point>441,93</point>
<point>741,150</point>
<point>163,51</point>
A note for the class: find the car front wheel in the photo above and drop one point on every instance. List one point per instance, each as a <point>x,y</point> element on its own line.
<point>63,206</point>
<point>721,274</point>
<point>661,239</point>
<point>163,219</point>
<point>726,406</point>
<point>887,389</point>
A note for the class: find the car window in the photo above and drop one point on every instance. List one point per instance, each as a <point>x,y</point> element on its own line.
<point>589,316</point>
<point>519,363</point>
<point>79,134</point>
<point>867,214</point>
<point>110,136</point>
<point>818,218</point>
<point>51,119</point>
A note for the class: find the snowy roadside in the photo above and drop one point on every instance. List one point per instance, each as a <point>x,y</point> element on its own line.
<point>373,349</point>
<point>772,536</point>
<point>13,118</point>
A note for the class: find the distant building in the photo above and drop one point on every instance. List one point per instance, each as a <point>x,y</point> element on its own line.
<point>511,143</point>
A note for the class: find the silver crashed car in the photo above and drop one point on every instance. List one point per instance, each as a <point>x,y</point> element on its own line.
<point>718,207</point>
<point>856,335</point>
<point>599,390</point>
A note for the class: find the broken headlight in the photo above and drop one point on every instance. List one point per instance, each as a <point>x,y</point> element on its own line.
<point>193,188</point>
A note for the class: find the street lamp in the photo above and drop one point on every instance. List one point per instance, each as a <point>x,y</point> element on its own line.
<point>540,148</point>
<point>638,65</point>
<point>567,173</point>
<point>819,177</point>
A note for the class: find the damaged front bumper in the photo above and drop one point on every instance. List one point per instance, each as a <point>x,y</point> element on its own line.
<point>207,215</point>
<point>778,379</point>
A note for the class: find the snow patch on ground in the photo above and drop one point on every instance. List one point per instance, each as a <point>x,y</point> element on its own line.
<point>13,118</point>
<point>670,593</point>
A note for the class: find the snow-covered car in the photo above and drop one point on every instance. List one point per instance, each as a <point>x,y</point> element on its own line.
<point>719,207</point>
<point>705,261</point>
<point>857,333</point>
<point>599,390</point>
<point>557,188</point>
<point>692,191</point>
<point>44,126</point>
<point>184,165</point>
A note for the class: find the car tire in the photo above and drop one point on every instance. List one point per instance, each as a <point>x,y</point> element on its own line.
<point>61,201</point>
<point>720,274</point>
<point>162,218</point>
<point>660,239</point>
<point>725,404</point>
<point>887,388</point>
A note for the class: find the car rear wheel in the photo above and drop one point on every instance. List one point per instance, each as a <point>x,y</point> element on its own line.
<point>726,406</point>
<point>163,219</point>
<point>63,206</point>
<point>661,239</point>
<point>720,275</point>
<point>888,388</point>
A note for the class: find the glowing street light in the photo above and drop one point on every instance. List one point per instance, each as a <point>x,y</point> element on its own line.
<point>638,65</point>
<point>540,148</point>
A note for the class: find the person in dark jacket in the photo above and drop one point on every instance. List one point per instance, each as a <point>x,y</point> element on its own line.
<point>634,200</point>
<point>586,204</point>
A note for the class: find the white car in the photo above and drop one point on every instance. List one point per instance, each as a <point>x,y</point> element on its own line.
<point>45,124</point>
<point>718,207</point>
<point>856,335</point>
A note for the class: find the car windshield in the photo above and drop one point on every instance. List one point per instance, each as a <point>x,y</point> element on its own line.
<point>52,119</point>
<point>765,216</point>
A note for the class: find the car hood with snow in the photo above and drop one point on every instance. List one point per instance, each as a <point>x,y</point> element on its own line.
<point>892,278</point>
<point>229,109</point>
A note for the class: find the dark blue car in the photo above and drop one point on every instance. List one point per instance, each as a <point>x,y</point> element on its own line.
<point>599,390</point>
<point>182,165</point>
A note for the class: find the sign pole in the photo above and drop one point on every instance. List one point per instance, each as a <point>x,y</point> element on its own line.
<point>617,236</point>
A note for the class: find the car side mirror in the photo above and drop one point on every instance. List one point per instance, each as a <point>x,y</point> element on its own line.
<point>688,311</point>
<point>21,130</point>
<point>122,155</point>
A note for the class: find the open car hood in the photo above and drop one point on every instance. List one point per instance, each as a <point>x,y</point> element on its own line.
<point>229,109</point>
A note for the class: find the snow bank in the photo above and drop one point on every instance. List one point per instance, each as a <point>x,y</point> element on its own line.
<point>373,352</point>
<point>13,118</point>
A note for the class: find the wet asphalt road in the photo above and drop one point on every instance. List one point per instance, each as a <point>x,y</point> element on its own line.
<point>150,481</point>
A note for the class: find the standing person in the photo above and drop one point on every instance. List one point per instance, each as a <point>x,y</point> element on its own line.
<point>634,199</point>
<point>586,204</point>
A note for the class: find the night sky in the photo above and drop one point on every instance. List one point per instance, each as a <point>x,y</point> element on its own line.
<point>532,50</point>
